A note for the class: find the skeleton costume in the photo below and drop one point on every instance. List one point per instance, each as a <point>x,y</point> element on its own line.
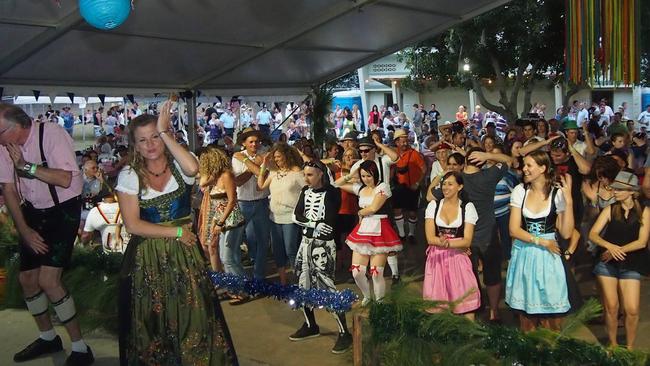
<point>316,213</point>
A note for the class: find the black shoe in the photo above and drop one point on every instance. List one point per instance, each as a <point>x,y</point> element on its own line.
<point>80,359</point>
<point>396,280</point>
<point>38,348</point>
<point>343,343</point>
<point>305,332</point>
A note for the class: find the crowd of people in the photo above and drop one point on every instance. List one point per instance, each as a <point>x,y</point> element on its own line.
<point>534,197</point>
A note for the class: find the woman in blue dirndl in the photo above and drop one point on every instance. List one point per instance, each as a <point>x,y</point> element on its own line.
<point>538,283</point>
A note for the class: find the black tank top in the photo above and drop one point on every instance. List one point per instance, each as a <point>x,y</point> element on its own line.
<point>622,232</point>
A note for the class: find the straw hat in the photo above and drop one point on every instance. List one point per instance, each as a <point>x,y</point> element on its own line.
<point>625,181</point>
<point>399,133</point>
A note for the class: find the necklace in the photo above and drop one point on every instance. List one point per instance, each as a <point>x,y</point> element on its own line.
<point>281,174</point>
<point>157,174</point>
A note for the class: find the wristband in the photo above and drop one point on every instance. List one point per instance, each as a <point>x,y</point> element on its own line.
<point>220,224</point>
<point>245,159</point>
<point>166,132</point>
<point>179,232</point>
<point>536,240</point>
<point>32,169</point>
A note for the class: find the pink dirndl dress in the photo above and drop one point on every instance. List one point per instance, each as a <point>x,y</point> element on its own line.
<point>374,234</point>
<point>448,274</point>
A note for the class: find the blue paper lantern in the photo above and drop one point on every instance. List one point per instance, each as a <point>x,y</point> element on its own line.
<point>105,14</point>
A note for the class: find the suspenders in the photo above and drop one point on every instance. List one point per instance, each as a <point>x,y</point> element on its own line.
<point>55,196</point>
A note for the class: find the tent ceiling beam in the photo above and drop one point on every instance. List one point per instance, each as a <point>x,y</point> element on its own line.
<point>27,22</point>
<point>329,48</point>
<point>327,16</point>
<point>403,7</point>
<point>170,38</point>
<point>41,40</point>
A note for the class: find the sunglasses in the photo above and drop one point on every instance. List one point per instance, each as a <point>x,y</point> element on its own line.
<point>312,164</point>
<point>364,151</point>
<point>559,144</point>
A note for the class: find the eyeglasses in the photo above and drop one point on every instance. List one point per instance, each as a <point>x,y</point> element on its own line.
<point>364,151</point>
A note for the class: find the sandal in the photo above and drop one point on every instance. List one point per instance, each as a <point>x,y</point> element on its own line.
<point>238,300</point>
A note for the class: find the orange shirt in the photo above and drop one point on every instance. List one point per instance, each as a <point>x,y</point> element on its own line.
<point>410,167</point>
<point>349,201</point>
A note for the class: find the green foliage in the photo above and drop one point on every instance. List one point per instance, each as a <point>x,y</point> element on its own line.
<point>322,100</point>
<point>513,45</point>
<point>92,278</point>
<point>404,334</point>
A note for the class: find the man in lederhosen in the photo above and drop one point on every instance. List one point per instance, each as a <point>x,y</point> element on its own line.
<point>42,184</point>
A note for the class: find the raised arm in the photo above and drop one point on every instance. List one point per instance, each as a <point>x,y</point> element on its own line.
<point>188,163</point>
<point>482,157</point>
<point>584,166</point>
<point>390,152</point>
<point>525,150</point>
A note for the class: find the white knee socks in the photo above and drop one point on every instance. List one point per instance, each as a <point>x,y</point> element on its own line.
<point>378,282</point>
<point>359,275</point>
<point>392,263</point>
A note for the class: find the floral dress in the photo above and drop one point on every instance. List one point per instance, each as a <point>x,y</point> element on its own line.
<point>169,312</point>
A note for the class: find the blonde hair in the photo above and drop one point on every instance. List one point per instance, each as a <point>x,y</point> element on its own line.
<point>212,163</point>
<point>136,161</point>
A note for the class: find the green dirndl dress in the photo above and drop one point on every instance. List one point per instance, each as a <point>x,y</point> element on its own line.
<point>169,311</point>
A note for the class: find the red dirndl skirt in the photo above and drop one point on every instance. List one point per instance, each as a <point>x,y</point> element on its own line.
<point>386,242</point>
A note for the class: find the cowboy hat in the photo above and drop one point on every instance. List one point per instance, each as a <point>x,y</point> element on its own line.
<point>446,124</point>
<point>246,133</point>
<point>399,133</point>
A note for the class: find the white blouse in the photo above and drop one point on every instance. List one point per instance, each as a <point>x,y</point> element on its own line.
<point>517,198</point>
<point>471,216</point>
<point>128,182</point>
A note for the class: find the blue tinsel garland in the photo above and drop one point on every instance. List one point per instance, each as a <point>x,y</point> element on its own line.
<point>339,301</point>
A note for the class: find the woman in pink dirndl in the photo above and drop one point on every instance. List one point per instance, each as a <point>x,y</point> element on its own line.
<point>449,228</point>
<point>373,237</point>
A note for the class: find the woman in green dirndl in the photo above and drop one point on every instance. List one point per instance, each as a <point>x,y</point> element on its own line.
<point>169,312</point>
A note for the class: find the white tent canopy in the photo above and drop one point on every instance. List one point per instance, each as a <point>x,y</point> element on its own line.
<point>219,47</point>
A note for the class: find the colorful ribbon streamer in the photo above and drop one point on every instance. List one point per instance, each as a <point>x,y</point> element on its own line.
<point>602,41</point>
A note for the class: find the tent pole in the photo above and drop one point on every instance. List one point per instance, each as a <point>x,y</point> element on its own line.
<point>191,123</point>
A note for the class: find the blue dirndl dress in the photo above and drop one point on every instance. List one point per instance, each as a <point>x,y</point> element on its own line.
<point>536,281</point>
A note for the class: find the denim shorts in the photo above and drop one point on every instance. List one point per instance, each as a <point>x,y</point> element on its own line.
<point>611,270</point>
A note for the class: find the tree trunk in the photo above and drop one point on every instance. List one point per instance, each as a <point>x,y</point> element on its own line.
<point>502,110</point>
<point>572,90</point>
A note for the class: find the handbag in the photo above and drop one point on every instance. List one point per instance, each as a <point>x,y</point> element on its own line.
<point>235,219</point>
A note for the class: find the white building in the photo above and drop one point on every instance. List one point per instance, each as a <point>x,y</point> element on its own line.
<point>381,84</point>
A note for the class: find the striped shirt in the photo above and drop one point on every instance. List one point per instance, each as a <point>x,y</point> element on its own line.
<point>502,193</point>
